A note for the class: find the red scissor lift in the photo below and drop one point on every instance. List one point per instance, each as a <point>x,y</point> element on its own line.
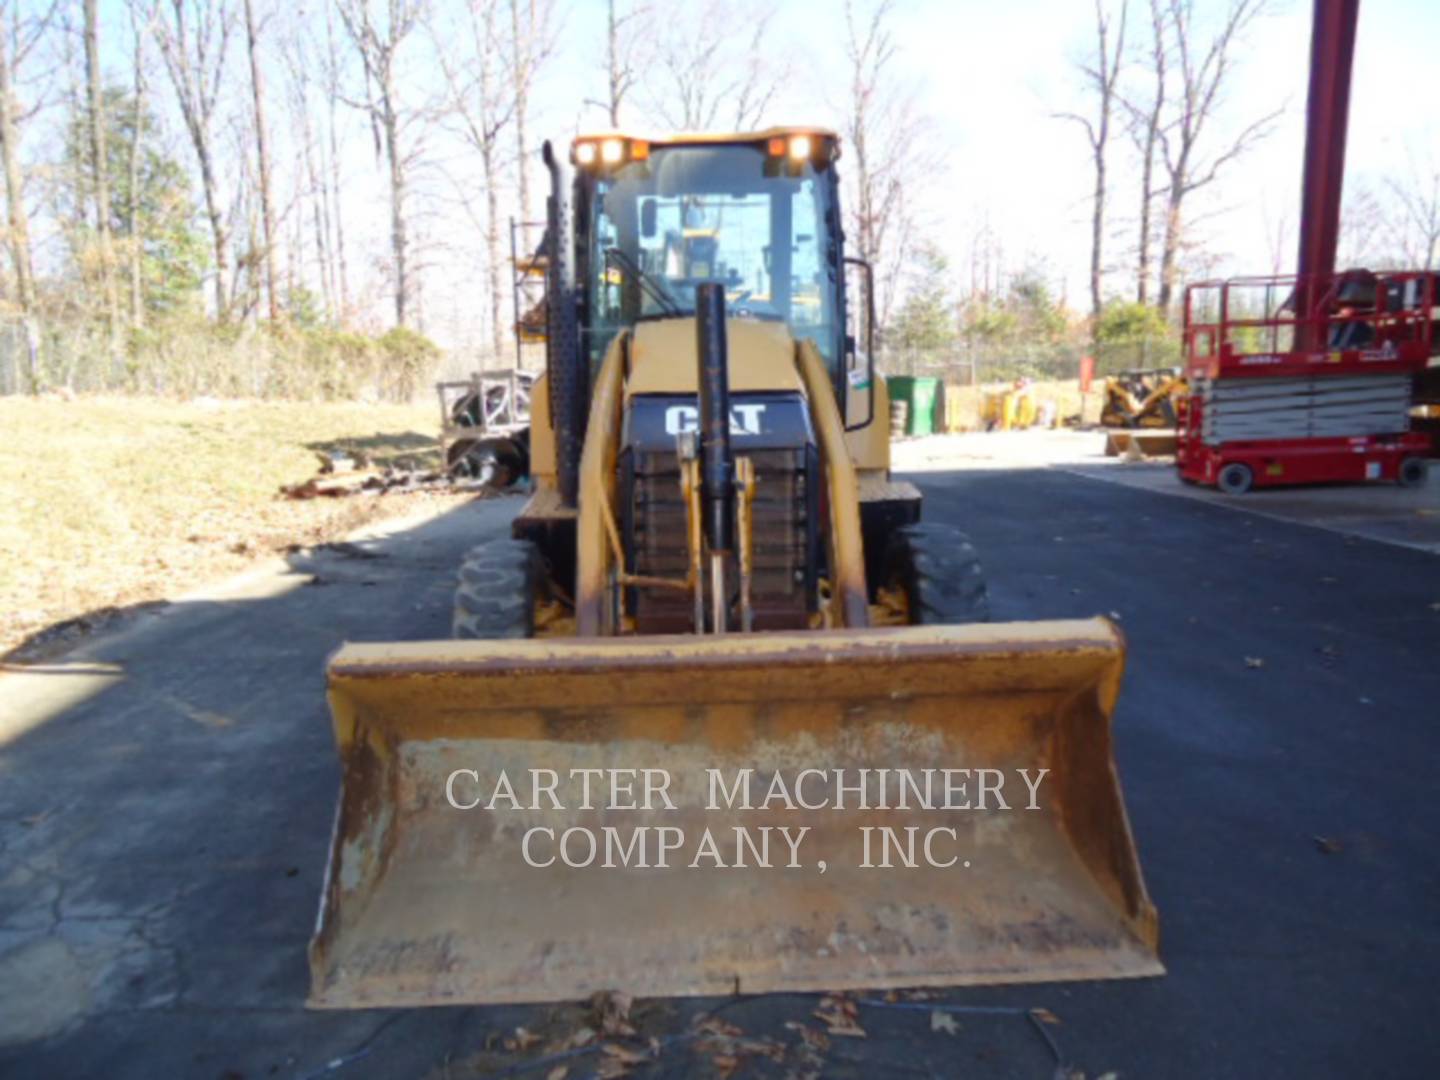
<point>1279,397</point>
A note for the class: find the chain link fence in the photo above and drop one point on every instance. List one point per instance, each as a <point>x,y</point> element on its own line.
<point>981,363</point>
<point>976,374</point>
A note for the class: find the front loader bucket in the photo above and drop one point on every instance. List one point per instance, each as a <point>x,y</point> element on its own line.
<point>427,903</point>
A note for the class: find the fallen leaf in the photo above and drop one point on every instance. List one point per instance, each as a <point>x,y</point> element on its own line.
<point>612,1012</point>
<point>725,1064</point>
<point>840,1017</point>
<point>1045,1016</point>
<point>617,1052</point>
<point>815,1040</point>
<point>1327,845</point>
<point>760,1048</point>
<point>713,1025</point>
<point>943,1021</point>
<point>1254,661</point>
<point>581,1036</point>
<point>523,1039</point>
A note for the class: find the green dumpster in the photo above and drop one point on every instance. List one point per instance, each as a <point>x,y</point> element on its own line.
<point>921,394</point>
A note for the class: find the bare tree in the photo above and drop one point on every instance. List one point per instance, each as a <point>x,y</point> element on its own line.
<point>1417,220</point>
<point>1203,71</point>
<point>1279,238</point>
<point>712,66</point>
<point>1102,74</point>
<point>1144,126</point>
<point>1363,226</point>
<point>882,128</point>
<point>378,43</point>
<point>340,273</point>
<point>140,17</point>
<point>242,221</point>
<point>262,155</point>
<point>19,34</point>
<point>312,182</point>
<point>621,41</point>
<point>194,38</point>
<point>532,41</point>
<point>481,106</point>
<point>99,163</point>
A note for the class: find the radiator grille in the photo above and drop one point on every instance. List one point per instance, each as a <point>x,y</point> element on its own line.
<point>656,531</point>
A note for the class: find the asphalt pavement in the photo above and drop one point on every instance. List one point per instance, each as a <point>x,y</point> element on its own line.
<point>166,796</point>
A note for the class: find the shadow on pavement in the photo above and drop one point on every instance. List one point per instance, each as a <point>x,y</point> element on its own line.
<point>166,796</point>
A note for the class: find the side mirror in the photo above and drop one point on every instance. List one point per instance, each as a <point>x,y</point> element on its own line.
<point>648,218</point>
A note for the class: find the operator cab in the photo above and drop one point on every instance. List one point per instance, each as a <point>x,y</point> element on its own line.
<point>754,213</point>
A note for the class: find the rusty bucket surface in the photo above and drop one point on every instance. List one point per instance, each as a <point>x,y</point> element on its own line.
<point>426,903</point>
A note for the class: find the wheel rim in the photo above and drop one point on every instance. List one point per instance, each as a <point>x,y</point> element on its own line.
<point>1235,479</point>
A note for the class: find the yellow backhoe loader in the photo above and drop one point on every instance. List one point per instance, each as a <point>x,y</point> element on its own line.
<point>1142,398</point>
<point>716,583</point>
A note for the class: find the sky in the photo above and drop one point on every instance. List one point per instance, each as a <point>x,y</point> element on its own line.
<point>988,76</point>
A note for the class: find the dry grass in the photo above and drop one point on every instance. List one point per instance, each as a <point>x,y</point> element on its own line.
<point>117,501</point>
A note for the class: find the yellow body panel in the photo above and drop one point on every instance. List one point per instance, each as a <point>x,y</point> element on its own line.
<point>847,553</point>
<point>593,559</point>
<point>869,445</point>
<point>663,358</point>
<point>542,435</point>
<point>426,903</point>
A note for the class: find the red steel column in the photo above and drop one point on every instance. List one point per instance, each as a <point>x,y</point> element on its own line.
<point>1332,52</point>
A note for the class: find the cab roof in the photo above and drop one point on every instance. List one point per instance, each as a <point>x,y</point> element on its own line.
<point>690,138</point>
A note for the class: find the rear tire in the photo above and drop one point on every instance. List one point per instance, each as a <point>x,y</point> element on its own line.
<point>495,594</point>
<point>1412,473</point>
<point>940,573</point>
<point>1235,479</point>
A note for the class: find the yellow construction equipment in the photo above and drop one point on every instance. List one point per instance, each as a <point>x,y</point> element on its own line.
<point>1143,398</point>
<point>717,583</point>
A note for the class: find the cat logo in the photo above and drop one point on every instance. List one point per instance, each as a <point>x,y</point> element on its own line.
<point>744,419</point>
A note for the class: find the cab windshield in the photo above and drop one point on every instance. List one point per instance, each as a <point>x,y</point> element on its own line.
<point>728,214</point>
